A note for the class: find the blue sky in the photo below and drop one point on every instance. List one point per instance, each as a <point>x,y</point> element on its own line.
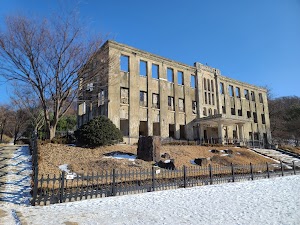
<point>254,41</point>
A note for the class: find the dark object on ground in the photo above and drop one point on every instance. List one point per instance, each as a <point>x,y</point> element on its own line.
<point>215,151</point>
<point>201,161</point>
<point>149,148</point>
<point>228,151</point>
<point>167,164</point>
<point>166,156</point>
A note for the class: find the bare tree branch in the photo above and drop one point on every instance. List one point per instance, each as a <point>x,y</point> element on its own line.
<point>48,55</point>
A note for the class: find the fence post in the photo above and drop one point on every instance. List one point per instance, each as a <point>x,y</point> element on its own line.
<point>210,174</point>
<point>35,185</point>
<point>268,170</point>
<point>232,172</point>
<point>251,171</point>
<point>184,176</point>
<point>61,196</point>
<point>113,182</point>
<point>153,179</point>
<point>281,167</point>
<point>294,167</point>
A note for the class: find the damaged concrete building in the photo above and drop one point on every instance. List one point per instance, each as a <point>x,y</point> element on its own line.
<point>146,94</point>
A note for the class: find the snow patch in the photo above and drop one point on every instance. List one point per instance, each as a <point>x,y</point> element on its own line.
<point>193,162</point>
<point>129,156</point>
<point>65,168</point>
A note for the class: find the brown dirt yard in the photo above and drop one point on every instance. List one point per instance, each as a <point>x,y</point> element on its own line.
<point>82,160</point>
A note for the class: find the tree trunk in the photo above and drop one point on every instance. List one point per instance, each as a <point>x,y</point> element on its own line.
<point>15,138</point>
<point>1,136</point>
<point>52,131</point>
<point>2,130</point>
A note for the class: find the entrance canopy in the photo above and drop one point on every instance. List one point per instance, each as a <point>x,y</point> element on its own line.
<point>225,120</point>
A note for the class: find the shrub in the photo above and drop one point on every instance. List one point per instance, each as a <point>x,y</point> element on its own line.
<point>99,131</point>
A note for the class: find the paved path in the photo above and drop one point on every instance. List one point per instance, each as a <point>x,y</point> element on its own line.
<point>285,158</point>
<point>15,174</point>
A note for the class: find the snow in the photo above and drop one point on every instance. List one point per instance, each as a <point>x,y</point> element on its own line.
<point>15,174</point>
<point>64,167</point>
<point>130,157</point>
<point>268,201</point>
<point>278,156</point>
<point>193,162</point>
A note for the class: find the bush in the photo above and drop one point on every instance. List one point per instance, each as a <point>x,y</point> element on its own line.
<point>99,131</point>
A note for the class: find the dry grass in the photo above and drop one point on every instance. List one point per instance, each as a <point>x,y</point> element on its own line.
<point>82,160</point>
<point>5,139</point>
<point>291,148</point>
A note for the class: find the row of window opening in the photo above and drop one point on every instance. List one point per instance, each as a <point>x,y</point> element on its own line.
<point>237,93</point>
<point>155,101</point>
<point>124,66</point>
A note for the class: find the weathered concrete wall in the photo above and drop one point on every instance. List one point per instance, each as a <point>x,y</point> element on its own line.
<point>159,119</point>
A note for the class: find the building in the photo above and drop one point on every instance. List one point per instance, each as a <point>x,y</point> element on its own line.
<point>146,94</point>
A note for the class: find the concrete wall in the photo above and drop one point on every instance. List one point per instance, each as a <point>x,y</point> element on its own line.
<point>163,116</point>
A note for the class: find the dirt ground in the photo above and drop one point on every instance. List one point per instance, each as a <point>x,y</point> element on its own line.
<point>82,160</point>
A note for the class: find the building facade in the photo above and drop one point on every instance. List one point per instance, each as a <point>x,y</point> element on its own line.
<point>146,94</point>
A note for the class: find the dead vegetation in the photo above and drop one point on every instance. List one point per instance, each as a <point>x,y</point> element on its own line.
<point>290,148</point>
<point>81,160</point>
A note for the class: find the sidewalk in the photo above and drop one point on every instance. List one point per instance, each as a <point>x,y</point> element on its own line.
<point>15,174</point>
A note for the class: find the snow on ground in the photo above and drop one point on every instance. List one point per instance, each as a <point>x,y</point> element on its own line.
<point>15,174</point>
<point>269,201</point>
<point>65,168</point>
<point>130,157</point>
<point>278,156</point>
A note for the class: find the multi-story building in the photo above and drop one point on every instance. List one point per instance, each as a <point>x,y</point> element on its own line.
<point>146,94</point>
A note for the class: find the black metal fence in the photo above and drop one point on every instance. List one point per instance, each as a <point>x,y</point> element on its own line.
<point>52,189</point>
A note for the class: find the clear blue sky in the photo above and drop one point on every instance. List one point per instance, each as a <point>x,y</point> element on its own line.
<point>255,41</point>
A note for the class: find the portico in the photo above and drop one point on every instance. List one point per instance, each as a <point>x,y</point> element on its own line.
<point>214,128</point>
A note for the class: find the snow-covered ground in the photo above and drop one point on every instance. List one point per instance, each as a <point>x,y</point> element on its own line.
<point>117,155</point>
<point>269,201</point>
<point>15,174</point>
<point>278,156</point>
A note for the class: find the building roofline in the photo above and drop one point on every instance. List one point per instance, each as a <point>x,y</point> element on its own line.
<point>186,66</point>
<point>151,55</point>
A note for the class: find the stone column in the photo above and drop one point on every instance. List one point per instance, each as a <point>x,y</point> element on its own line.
<point>163,101</point>
<point>134,103</point>
<point>220,132</point>
<point>241,133</point>
<point>199,95</point>
<point>149,99</point>
<point>217,91</point>
<point>199,132</point>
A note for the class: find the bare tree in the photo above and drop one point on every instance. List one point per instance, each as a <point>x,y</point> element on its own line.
<point>25,100</point>
<point>48,55</point>
<point>4,120</point>
<point>18,122</point>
